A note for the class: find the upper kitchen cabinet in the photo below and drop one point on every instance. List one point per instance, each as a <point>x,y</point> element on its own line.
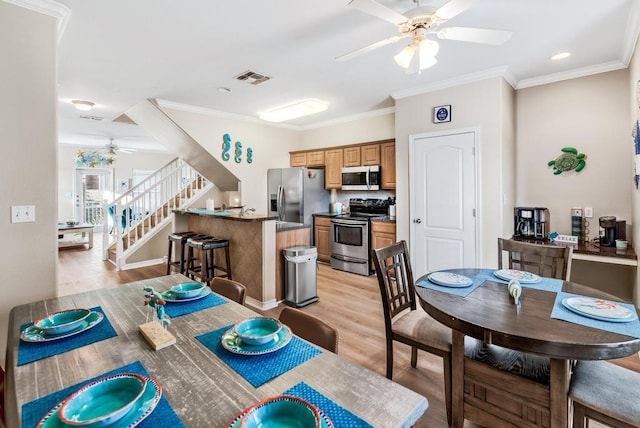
<point>351,156</point>
<point>297,159</point>
<point>315,158</point>
<point>370,154</point>
<point>309,159</point>
<point>388,165</point>
<point>333,169</point>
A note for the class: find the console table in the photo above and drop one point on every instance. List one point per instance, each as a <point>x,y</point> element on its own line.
<point>85,228</point>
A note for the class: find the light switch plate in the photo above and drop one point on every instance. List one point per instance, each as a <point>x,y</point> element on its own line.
<point>23,213</point>
<point>588,212</point>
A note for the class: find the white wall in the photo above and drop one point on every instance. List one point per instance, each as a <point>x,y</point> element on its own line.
<point>271,146</point>
<point>122,169</point>
<point>369,128</point>
<point>591,114</point>
<point>482,105</point>
<point>29,144</point>
<point>634,101</point>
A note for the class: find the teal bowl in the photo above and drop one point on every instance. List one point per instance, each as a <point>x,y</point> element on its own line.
<point>187,290</point>
<point>62,322</point>
<point>282,411</point>
<point>257,331</point>
<point>104,401</point>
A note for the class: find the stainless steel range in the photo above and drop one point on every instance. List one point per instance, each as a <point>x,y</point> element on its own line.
<point>350,235</point>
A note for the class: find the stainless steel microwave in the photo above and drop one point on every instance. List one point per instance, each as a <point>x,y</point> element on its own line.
<point>361,178</point>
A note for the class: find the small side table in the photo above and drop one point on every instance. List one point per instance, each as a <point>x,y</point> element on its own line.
<point>85,228</point>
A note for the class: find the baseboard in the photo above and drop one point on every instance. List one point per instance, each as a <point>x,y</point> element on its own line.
<point>142,264</point>
<point>261,306</point>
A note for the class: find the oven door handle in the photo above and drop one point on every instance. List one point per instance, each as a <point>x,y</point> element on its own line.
<point>346,222</point>
<point>348,259</point>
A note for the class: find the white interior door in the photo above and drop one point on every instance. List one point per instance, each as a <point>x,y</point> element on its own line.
<point>443,201</point>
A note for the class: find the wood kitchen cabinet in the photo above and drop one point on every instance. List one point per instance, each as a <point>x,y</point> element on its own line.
<point>370,154</point>
<point>315,158</point>
<point>383,234</point>
<point>322,238</point>
<point>388,165</point>
<point>351,156</point>
<point>333,169</point>
<point>297,159</point>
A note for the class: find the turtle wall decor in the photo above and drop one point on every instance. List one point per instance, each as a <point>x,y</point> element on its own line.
<point>569,160</point>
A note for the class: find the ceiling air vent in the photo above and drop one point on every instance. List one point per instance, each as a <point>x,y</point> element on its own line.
<point>252,77</point>
<point>88,117</point>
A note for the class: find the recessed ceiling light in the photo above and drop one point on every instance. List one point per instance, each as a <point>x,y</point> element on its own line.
<point>561,55</point>
<point>82,104</point>
<point>292,111</point>
<point>223,89</point>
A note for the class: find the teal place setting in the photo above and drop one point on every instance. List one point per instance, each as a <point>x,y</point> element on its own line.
<point>188,290</point>
<point>282,411</point>
<point>36,345</point>
<point>177,307</point>
<point>171,296</point>
<point>236,344</point>
<point>257,331</point>
<point>62,321</point>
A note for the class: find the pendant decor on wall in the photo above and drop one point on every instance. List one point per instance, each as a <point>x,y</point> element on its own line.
<point>569,160</point>
<point>636,145</point>
<point>93,158</point>
<point>226,147</point>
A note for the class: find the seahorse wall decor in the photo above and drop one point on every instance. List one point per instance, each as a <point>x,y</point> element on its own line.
<point>226,148</point>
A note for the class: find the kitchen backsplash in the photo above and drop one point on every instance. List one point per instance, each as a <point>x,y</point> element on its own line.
<point>344,195</point>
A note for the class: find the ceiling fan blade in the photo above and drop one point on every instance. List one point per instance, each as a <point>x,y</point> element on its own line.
<point>474,35</point>
<point>376,9</point>
<point>369,48</point>
<point>453,8</point>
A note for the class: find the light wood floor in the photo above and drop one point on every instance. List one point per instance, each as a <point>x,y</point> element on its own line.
<point>350,302</point>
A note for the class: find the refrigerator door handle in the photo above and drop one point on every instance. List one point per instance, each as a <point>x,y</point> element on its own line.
<point>281,203</point>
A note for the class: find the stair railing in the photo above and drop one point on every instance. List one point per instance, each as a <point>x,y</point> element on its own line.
<point>147,204</point>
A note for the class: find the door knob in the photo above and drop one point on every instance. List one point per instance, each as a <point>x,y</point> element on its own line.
<point>417,220</point>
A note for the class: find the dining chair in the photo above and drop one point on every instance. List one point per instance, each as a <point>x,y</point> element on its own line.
<point>605,392</point>
<point>310,328</point>
<point>403,322</point>
<point>545,260</point>
<point>230,289</point>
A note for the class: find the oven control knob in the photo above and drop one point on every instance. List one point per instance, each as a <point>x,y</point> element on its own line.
<point>417,220</point>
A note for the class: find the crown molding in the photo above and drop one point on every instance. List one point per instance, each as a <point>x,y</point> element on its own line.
<point>502,71</point>
<point>631,33</point>
<point>49,8</point>
<point>350,118</point>
<point>571,74</point>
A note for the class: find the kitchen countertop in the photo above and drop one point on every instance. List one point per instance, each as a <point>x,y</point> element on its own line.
<point>327,214</point>
<point>595,252</point>
<point>283,226</point>
<point>383,219</point>
<point>224,215</point>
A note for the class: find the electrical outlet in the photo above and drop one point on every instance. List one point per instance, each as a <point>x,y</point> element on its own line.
<point>588,212</point>
<point>23,213</point>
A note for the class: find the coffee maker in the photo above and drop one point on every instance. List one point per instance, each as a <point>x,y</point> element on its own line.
<point>531,223</point>
<point>608,236</point>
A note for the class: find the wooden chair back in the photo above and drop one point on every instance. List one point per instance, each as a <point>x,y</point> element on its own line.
<point>395,278</point>
<point>545,260</point>
<point>310,328</point>
<point>230,289</point>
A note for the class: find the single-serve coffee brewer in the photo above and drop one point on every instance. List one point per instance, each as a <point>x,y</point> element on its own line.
<point>531,223</point>
<point>608,234</point>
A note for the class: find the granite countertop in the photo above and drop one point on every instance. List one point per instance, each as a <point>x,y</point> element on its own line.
<point>226,215</point>
<point>283,226</point>
<point>383,219</point>
<point>326,214</point>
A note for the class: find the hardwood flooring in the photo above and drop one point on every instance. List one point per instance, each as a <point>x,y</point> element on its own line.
<point>350,302</point>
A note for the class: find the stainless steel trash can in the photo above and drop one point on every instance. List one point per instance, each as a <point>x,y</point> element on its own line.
<point>300,275</point>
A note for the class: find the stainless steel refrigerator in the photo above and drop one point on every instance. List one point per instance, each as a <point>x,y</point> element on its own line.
<point>296,193</point>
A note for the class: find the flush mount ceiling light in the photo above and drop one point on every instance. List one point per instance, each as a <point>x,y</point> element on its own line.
<point>292,111</point>
<point>561,55</point>
<point>82,104</point>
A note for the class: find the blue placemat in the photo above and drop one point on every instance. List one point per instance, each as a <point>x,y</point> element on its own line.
<point>174,309</point>
<point>29,352</point>
<point>627,328</point>
<point>340,417</point>
<point>162,416</point>
<point>259,369</point>
<point>547,284</point>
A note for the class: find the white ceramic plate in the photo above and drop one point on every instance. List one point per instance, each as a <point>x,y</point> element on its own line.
<point>449,279</point>
<point>522,276</point>
<point>170,296</point>
<point>34,334</point>
<point>233,343</point>
<point>600,309</point>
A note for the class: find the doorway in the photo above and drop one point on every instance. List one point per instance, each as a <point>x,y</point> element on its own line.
<point>92,188</point>
<point>443,196</point>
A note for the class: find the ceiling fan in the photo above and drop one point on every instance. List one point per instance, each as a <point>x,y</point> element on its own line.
<point>418,24</point>
<point>113,148</point>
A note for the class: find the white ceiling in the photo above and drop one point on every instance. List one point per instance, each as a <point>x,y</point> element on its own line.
<point>117,53</point>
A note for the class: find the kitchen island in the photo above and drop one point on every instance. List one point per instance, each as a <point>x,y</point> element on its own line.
<point>255,245</point>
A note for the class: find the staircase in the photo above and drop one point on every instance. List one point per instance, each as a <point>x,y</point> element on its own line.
<point>136,216</point>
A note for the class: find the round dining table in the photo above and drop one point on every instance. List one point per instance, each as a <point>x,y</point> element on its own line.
<point>488,313</point>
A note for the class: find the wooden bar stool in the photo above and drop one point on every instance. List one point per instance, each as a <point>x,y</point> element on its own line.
<point>206,270</point>
<point>180,239</point>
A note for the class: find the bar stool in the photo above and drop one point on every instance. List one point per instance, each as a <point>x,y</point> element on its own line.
<point>179,238</point>
<point>207,268</point>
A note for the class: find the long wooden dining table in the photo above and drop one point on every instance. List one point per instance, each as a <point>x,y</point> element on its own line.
<point>201,388</point>
<point>489,314</point>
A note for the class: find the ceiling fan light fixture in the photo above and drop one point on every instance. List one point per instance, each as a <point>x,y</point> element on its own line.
<point>293,111</point>
<point>82,105</point>
<point>403,59</point>
<point>428,48</point>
